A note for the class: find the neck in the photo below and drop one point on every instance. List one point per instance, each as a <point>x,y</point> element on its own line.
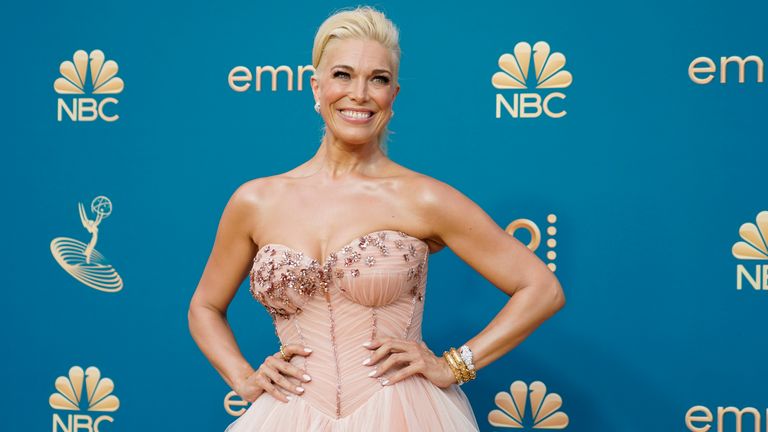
<point>337,159</point>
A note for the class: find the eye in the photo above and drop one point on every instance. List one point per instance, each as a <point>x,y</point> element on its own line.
<point>340,73</point>
<point>382,79</point>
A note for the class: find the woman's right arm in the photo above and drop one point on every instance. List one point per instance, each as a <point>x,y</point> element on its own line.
<point>227,266</point>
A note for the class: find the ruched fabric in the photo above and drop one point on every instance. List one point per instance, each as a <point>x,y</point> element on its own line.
<point>371,288</point>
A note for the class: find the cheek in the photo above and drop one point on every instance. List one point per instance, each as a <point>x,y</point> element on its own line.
<point>332,93</point>
<point>383,98</point>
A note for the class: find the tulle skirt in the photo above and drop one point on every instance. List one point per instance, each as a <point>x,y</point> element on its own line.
<point>413,404</point>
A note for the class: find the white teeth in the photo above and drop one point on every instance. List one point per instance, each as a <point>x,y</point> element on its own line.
<point>356,114</point>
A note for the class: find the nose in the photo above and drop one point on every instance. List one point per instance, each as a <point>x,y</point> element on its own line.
<point>359,91</point>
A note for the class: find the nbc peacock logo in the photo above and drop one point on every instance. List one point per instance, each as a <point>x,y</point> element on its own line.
<point>69,397</point>
<point>73,81</point>
<point>545,408</point>
<point>83,261</point>
<point>753,247</point>
<point>548,73</point>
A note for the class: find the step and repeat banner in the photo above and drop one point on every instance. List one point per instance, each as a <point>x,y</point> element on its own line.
<point>624,143</point>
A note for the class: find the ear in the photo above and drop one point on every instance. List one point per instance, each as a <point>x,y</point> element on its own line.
<point>397,90</point>
<point>315,86</point>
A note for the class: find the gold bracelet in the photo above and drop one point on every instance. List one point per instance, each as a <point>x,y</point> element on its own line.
<point>454,368</point>
<point>462,367</point>
<point>466,374</point>
<point>471,373</point>
<point>457,365</point>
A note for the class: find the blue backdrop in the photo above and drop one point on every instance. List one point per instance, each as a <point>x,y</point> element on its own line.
<point>650,176</point>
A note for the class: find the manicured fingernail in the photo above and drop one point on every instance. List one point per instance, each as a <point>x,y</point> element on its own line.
<point>385,382</point>
<point>307,349</point>
<point>299,389</point>
<point>289,397</point>
<point>372,373</point>
<point>366,361</point>
<point>307,377</point>
<point>367,344</point>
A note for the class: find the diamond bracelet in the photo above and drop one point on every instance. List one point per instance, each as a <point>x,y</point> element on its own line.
<point>466,355</point>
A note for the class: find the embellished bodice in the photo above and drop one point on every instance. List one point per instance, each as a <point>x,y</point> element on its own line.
<point>374,286</point>
<point>283,279</point>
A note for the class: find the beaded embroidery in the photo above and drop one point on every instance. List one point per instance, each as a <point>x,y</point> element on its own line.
<point>281,271</point>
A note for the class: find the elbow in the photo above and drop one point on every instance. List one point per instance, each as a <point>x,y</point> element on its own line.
<point>200,311</point>
<point>194,315</point>
<point>557,297</point>
<point>191,319</point>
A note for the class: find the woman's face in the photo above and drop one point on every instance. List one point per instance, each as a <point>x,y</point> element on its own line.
<point>355,84</point>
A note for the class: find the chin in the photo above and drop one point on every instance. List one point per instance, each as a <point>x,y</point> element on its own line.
<point>356,138</point>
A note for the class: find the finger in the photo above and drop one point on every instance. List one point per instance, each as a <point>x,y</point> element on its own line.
<point>289,369</point>
<point>283,382</point>
<point>268,387</point>
<point>391,346</point>
<point>275,364</point>
<point>394,359</point>
<point>377,342</point>
<point>297,349</point>
<point>401,374</point>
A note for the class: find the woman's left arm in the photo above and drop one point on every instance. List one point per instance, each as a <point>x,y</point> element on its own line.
<point>535,293</point>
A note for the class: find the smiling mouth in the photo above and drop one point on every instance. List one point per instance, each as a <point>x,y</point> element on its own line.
<point>356,115</point>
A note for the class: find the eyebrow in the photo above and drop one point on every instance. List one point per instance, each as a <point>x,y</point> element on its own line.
<point>375,71</point>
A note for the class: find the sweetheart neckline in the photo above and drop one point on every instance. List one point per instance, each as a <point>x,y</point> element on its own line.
<point>308,256</point>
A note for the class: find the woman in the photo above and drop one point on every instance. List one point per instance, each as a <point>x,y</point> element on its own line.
<point>336,250</point>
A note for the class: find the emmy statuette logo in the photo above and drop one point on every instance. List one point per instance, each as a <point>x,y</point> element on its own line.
<point>83,261</point>
<point>73,81</point>
<point>545,408</point>
<point>515,74</point>
<point>535,233</point>
<point>753,249</point>
<point>69,397</point>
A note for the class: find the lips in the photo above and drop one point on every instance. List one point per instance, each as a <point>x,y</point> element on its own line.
<point>356,114</point>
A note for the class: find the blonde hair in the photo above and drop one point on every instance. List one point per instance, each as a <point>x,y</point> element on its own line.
<point>363,22</point>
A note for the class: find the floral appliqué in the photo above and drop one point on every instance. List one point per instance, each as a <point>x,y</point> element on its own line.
<point>279,271</point>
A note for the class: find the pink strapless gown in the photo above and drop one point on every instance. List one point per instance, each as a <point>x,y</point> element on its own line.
<point>372,287</point>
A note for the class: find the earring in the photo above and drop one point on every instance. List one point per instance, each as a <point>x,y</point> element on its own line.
<point>317,106</point>
<point>393,114</point>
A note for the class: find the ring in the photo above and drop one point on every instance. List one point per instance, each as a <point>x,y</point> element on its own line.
<point>285,356</point>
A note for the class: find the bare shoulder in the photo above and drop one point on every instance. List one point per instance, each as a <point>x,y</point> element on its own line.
<point>437,203</point>
<point>249,200</point>
<point>256,192</point>
<point>247,196</point>
<point>428,193</point>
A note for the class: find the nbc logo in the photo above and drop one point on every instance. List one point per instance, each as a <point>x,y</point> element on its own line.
<point>515,74</point>
<point>104,80</point>
<point>68,397</point>
<point>545,408</point>
<point>753,246</point>
<point>535,234</point>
